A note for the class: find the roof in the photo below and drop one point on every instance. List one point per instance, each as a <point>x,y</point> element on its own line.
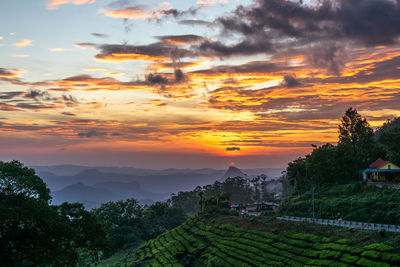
<point>379,170</point>
<point>378,164</point>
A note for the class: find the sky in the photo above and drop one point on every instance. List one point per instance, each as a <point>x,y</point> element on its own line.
<point>190,84</point>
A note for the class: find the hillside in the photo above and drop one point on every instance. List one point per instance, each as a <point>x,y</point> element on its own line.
<point>354,201</point>
<point>233,241</point>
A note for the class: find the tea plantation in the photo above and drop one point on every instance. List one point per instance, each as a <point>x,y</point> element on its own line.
<point>196,243</point>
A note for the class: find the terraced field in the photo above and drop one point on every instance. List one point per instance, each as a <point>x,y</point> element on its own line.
<point>197,244</point>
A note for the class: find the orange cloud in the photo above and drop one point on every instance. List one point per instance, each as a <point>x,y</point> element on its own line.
<point>11,73</point>
<point>53,4</point>
<point>118,57</point>
<point>23,43</point>
<point>139,12</point>
<point>20,55</point>
<point>58,49</point>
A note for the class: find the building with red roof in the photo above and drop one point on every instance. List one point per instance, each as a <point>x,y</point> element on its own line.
<point>382,171</point>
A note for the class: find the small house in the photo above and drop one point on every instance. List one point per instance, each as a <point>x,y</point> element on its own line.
<point>382,171</point>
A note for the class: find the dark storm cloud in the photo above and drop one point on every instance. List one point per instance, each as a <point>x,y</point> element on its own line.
<point>370,22</point>
<point>245,47</point>
<point>271,26</point>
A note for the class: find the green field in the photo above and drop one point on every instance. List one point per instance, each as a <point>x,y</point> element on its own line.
<point>196,243</point>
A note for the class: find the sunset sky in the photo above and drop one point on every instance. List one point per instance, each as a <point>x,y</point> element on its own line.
<point>194,83</point>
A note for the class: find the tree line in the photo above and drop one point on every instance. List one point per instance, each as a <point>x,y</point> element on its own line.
<point>358,146</point>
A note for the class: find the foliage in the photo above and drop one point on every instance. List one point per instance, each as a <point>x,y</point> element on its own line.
<point>388,136</point>
<point>15,179</point>
<point>354,201</point>
<point>196,243</point>
<point>215,196</point>
<point>127,222</point>
<point>357,147</point>
<point>32,232</point>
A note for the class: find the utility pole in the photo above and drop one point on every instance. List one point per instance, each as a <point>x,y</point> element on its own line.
<point>313,210</point>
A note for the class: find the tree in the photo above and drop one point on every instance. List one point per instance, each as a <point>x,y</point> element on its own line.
<point>32,232</point>
<point>357,138</point>
<point>257,192</point>
<point>160,217</point>
<point>124,222</point>
<point>15,179</point>
<point>322,165</point>
<point>297,175</point>
<point>388,137</point>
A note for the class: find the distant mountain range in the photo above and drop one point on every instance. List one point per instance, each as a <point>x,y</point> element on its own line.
<point>95,185</point>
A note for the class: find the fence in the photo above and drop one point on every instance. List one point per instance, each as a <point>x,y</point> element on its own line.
<point>349,224</point>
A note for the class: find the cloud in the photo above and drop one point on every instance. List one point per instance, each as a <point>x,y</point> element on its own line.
<point>58,49</point>
<point>197,22</point>
<point>53,4</point>
<point>9,95</point>
<point>37,95</point>
<point>8,107</point>
<point>321,30</point>
<point>91,133</point>
<point>245,47</point>
<point>100,35</point>
<point>125,10</point>
<point>11,75</point>
<point>207,3</point>
<point>23,43</point>
<point>156,79</point>
<point>68,114</point>
<point>180,39</point>
<point>85,45</point>
<point>36,106</point>
<point>290,81</point>
<point>233,148</point>
<point>327,55</point>
<point>20,55</point>
<point>150,52</point>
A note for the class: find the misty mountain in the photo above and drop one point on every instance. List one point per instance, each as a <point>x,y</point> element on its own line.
<point>90,197</point>
<point>130,190</point>
<point>155,183</point>
<point>95,186</point>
